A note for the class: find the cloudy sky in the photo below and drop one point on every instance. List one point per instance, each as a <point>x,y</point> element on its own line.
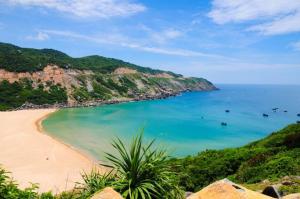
<point>226,41</point>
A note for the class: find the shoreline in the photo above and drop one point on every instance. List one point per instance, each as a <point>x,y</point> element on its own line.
<point>31,155</point>
<point>94,103</point>
<point>41,130</point>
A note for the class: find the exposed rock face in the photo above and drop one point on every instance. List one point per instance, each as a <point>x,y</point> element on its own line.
<point>51,73</point>
<point>225,189</point>
<point>107,193</point>
<point>86,88</point>
<point>124,70</point>
<point>292,196</point>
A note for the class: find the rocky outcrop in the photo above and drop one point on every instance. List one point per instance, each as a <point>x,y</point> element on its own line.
<point>292,196</point>
<point>225,189</point>
<point>107,193</point>
<point>90,88</point>
<point>124,70</point>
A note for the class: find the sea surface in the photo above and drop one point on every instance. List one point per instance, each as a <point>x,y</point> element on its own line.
<point>183,125</point>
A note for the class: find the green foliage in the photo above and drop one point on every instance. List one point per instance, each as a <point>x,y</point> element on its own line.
<point>100,92</point>
<point>120,88</point>
<point>110,84</point>
<point>93,182</point>
<point>13,95</point>
<point>10,190</point>
<point>126,82</point>
<point>143,172</point>
<point>17,59</point>
<point>81,94</point>
<point>290,189</point>
<point>271,158</point>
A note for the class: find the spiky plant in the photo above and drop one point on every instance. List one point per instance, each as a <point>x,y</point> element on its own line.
<point>93,182</point>
<point>142,173</point>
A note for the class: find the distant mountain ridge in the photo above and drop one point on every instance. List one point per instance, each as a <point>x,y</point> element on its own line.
<point>16,59</point>
<point>44,78</point>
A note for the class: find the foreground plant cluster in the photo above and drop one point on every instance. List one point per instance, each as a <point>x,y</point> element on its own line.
<point>271,158</point>
<point>141,172</point>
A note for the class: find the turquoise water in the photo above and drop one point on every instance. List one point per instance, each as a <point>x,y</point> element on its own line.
<point>184,124</point>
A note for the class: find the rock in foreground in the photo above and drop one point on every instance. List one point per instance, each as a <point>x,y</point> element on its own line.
<point>107,193</point>
<point>225,189</point>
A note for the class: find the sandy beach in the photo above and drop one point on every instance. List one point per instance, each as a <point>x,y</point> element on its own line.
<point>32,156</point>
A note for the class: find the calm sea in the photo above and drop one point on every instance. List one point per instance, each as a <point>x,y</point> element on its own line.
<point>184,125</point>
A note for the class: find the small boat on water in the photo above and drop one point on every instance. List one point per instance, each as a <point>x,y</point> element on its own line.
<point>298,114</point>
<point>265,115</point>
<point>285,111</point>
<point>223,123</point>
<point>227,111</point>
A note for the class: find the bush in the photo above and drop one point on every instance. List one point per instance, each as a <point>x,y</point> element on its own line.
<point>142,172</point>
<point>13,95</point>
<point>271,158</point>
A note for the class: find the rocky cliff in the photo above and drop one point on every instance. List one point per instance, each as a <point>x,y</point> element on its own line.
<point>81,81</point>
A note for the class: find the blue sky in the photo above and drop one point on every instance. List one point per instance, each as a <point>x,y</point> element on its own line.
<point>225,41</point>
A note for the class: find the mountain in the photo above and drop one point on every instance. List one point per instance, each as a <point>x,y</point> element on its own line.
<point>46,77</point>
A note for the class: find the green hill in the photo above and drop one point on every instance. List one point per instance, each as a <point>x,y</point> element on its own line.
<point>17,59</point>
<point>271,158</point>
<point>34,78</point>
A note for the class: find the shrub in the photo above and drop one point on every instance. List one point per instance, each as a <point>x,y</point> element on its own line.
<point>142,172</point>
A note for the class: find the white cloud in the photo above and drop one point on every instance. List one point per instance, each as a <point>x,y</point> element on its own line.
<point>125,42</point>
<point>161,36</point>
<point>41,36</point>
<point>273,16</point>
<point>296,45</point>
<point>84,8</point>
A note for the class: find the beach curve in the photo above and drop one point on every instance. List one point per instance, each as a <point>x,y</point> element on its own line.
<point>34,157</point>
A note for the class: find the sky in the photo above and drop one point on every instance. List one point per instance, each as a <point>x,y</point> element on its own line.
<point>225,41</point>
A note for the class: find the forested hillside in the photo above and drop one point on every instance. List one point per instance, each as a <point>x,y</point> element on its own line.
<point>38,78</point>
<point>17,59</point>
<point>271,158</point>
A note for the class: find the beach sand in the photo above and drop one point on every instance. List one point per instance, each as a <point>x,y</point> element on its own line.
<point>32,156</point>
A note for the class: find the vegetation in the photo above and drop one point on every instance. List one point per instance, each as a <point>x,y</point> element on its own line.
<point>17,59</point>
<point>271,158</point>
<point>140,172</point>
<point>13,95</point>
<point>143,172</point>
<point>100,83</point>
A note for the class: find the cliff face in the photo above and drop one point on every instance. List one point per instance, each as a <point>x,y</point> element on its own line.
<point>87,86</point>
<point>50,77</point>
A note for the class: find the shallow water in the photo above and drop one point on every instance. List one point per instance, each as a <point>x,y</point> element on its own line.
<point>184,124</point>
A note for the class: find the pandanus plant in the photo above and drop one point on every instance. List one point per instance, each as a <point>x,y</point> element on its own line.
<point>142,172</point>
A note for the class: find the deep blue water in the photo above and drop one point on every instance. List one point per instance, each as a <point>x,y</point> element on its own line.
<point>184,124</point>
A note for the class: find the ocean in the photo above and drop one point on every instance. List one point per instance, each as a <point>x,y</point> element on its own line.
<point>182,125</point>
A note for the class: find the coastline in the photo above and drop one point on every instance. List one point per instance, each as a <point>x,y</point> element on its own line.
<point>41,130</point>
<point>33,156</point>
<point>94,103</point>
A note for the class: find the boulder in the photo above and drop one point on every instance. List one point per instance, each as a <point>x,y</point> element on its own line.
<point>292,196</point>
<point>225,189</point>
<point>271,191</point>
<point>107,193</point>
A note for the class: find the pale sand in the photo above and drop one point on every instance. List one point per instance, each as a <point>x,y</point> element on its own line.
<point>32,156</point>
